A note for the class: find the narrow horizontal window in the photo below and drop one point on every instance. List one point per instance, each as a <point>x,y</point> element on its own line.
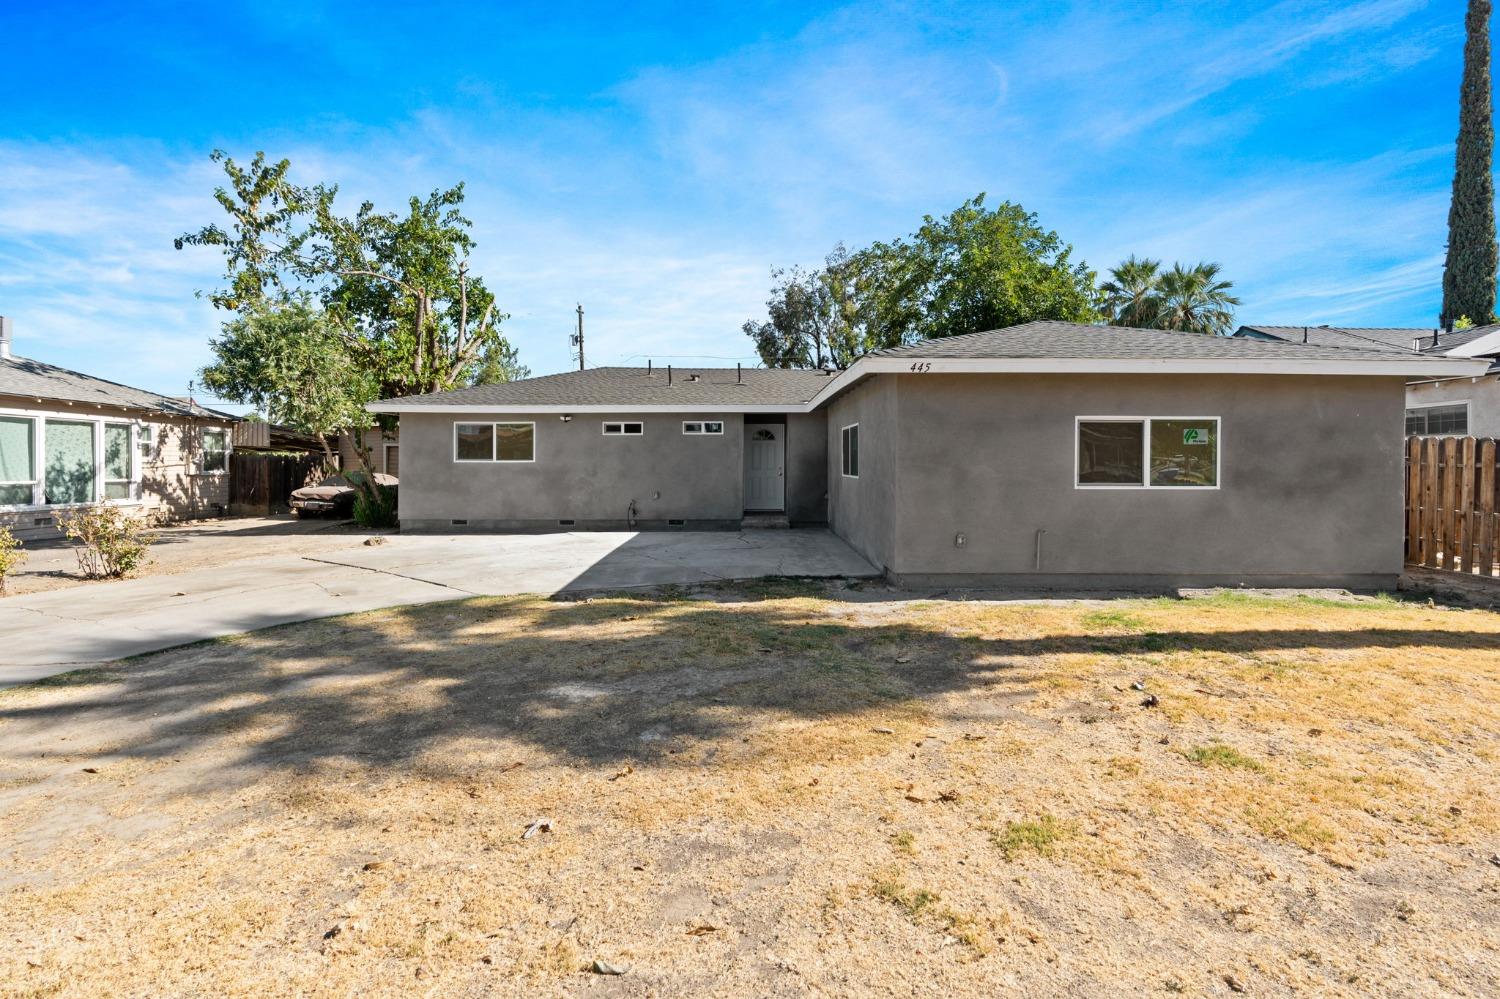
<point>624,429</point>
<point>696,427</point>
<point>1452,419</point>
<point>849,451</point>
<point>1148,452</point>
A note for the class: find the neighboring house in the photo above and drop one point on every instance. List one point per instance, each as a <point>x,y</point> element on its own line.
<point>1468,405</point>
<point>385,451</point>
<point>68,439</point>
<point>1043,454</point>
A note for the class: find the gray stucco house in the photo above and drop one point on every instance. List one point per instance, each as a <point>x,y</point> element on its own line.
<point>1435,404</point>
<point>1048,453</point>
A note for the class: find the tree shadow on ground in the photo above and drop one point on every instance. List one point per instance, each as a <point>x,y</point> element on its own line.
<point>600,682</point>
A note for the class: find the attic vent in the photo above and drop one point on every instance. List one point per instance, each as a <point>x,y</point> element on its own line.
<point>459,523</point>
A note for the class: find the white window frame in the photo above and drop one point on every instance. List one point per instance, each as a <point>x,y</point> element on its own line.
<point>494,442</point>
<point>201,433</point>
<point>133,473</point>
<point>1468,416</point>
<point>39,418</point>
<point>1146,422</point>
<point>640,426</point>
<point>844,451</point>
<point>702,428</point>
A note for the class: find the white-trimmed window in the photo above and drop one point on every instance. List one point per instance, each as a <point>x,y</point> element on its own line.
<point>1147,452</point>
<point>1443,418</point>
<point>215,456</point>
<point>694,427</point>
<point>119,462</point>
<point>145,442</point>
<point>849,451</point>
<point>614,428</point>
<point>494,442</point>
<point>18,461</point>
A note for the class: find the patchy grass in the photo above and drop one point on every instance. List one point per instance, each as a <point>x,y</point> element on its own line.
<point>1039,836</point>
<point>1217,754</point>
<point>777,788</point>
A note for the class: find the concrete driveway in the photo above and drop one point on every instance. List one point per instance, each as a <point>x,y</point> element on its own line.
<point>52,632</point>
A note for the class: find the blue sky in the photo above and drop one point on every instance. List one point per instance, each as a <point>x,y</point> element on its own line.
<point>655,166</point>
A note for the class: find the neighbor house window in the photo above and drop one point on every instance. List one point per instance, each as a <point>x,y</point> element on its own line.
<point>17,461</point>
<point>1448,419</point>
<point>494,442</point>
<point>215,451</point>
<point>624,429</point>
<point>1148,452</point>
<point>850,450</point>
<point>702,427</point>
<point>69,462</point>
<point>117,461</point>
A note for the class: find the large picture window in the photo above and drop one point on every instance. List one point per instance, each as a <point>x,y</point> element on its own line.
<point>849,451</point>
<point>1148,452</point>
<point>494,442</point>
<point>17,461</point>
<point>69,462</point>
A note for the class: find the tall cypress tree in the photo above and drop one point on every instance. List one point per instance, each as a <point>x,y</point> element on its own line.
<point>1469,272</point>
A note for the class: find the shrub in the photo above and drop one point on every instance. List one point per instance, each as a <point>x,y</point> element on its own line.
<point>11,555</point>
<point>111,542</point>
<point>375,513</point>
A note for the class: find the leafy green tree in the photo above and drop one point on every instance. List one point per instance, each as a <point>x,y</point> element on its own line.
<point>289,361</point>
<point>1469,270</point>
<point>1132,295</point>
<point>975,269</point>
<point>395,288</point>
<point>1194,300</point>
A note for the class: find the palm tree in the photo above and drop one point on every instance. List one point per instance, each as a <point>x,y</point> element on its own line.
<point>1131,298</point>
<point>1194,300</point>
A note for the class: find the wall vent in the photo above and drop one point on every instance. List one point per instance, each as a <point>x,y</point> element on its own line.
<point>42,522</point>
<point>566,523</point>
<point>676,523</point>
<point>459,523</point>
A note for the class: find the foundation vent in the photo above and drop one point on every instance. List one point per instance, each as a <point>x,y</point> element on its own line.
<point>459,523</point>
<point>676,523</point>
<point>566,523</point>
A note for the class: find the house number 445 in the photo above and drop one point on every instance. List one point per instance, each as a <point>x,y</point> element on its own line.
<point>921,366</point>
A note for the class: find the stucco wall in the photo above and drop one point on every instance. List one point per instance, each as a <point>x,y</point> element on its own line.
<point>1310,480</point>
<point>579,474</point>
<point>1482,394</point>
<point>863,510</point>
<point>169,486</point>
<point>807,467</point>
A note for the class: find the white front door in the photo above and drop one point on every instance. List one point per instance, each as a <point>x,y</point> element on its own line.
<point>765,460</point>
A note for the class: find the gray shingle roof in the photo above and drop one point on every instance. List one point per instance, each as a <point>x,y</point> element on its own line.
<point>22,376</point>
<point>628,387</point>
<point>1048,339</point>
<point>1400,339</point>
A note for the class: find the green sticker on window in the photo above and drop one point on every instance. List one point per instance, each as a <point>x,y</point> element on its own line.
<point>1195,437</point>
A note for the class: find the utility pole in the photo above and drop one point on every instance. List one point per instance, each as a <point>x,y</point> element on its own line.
<point>577,338</point>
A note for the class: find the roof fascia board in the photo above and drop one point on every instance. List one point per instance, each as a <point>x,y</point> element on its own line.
<point>863,368</point>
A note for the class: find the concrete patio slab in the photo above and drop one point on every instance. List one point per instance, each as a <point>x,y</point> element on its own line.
<point>42,634</point>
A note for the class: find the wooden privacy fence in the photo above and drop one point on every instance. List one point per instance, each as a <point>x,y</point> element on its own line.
<point>263,483</point>
<point>1450,503</point>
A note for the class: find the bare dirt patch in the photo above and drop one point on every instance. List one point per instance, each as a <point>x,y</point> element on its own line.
<point>53,565</point>
<point>769,791</point>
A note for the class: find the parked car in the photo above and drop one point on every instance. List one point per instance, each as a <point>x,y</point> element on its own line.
<point>334,495</point>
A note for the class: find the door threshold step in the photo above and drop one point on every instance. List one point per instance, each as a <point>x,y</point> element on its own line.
<point>764,521</point>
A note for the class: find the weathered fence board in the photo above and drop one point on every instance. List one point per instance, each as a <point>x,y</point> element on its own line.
<point>263,483</point>
<point>1451,504</point>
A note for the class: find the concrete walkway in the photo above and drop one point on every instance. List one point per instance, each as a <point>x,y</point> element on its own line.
<point>52,632</point>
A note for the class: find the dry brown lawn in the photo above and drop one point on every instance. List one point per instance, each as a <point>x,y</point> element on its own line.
<point>774,790</point>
